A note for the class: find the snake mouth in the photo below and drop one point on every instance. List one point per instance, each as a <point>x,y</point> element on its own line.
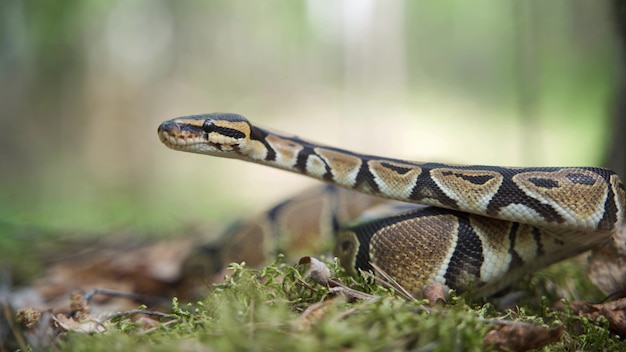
<point>179,141</point>
<point>173,136</point>
<point>189,135</point>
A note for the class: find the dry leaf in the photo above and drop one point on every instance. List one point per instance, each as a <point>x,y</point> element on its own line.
<point>614,312</point>
<point>352,295</point>
<point>607,265</point>
<point>521,337</point>
<point>434,294</point>
<point>28,317</point>
<point>145,267</point>
<point>318,271</point>
<point>79,307</point>
<point>147,323</point>
<point>89,326</point>
<point>312,315</point>
<point>41,335</point>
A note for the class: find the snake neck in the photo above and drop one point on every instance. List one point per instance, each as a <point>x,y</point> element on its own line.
<point>329,164</point>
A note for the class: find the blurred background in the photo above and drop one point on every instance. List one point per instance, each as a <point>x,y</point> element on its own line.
<point>84,85</point>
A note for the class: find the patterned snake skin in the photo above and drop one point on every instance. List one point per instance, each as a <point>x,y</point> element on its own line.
<point>483,226</point>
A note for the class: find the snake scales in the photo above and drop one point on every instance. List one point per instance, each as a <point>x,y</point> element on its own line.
<point>483,226</point>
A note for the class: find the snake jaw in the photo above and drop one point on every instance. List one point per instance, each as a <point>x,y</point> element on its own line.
<point>190,135</point>
<point>174,137</point>
<point>201,135</point>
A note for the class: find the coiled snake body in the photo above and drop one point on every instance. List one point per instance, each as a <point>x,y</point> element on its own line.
<point>483,226</point>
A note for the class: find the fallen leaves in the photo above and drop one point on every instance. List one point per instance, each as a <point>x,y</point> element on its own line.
<point>312,315</point>
<point>139,269</point>
<point>40,329</point>
<point>614,312</point>
<point>317,270</point>
<point>607,265</point>
<point>505,334</point>
<point>434,294</point>
<point>146,268</point>
<point>84,326</point>
<point>514,336</point>
<point>28,317</point>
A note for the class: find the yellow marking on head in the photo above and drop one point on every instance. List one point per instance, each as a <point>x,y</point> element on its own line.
<point>190,122</point>
<point>247,147</point>
<point>241,126</point>
<point>416,250</point>
<point>470,188</point>
<point>225,142</point>
<point>286,150</point>
<point>577,194</point>
<point>393,178</point>
<point>344,167</point>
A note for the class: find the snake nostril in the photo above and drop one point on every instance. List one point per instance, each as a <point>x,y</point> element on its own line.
<point>169,127</point>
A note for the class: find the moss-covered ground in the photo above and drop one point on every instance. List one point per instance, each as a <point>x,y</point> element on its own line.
<point>275,308</point>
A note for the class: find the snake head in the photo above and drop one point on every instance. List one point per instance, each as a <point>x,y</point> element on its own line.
<point>218,134</point>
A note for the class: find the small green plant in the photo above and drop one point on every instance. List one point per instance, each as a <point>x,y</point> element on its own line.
<point>277,308</point>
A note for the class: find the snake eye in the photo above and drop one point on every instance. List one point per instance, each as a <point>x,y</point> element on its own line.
<point>208,126</point>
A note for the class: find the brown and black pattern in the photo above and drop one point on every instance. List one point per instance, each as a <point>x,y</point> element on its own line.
<point>486,225</point>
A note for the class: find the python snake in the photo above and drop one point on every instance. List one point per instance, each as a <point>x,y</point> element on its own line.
<point>477,226</point>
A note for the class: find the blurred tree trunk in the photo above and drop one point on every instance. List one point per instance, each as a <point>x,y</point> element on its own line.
<point>616,158</point>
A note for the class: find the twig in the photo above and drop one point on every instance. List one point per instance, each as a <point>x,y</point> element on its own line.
<point>390,282</point>
<point>128,295</point>
<point>115,315</point>
<point>15,329</point>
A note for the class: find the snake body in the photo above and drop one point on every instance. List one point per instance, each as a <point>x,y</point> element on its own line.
<point>483,226</point>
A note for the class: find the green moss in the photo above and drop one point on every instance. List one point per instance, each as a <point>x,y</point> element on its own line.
<point>263,310</point>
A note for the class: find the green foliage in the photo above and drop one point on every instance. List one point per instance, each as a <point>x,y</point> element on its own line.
<point>265,310</point>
